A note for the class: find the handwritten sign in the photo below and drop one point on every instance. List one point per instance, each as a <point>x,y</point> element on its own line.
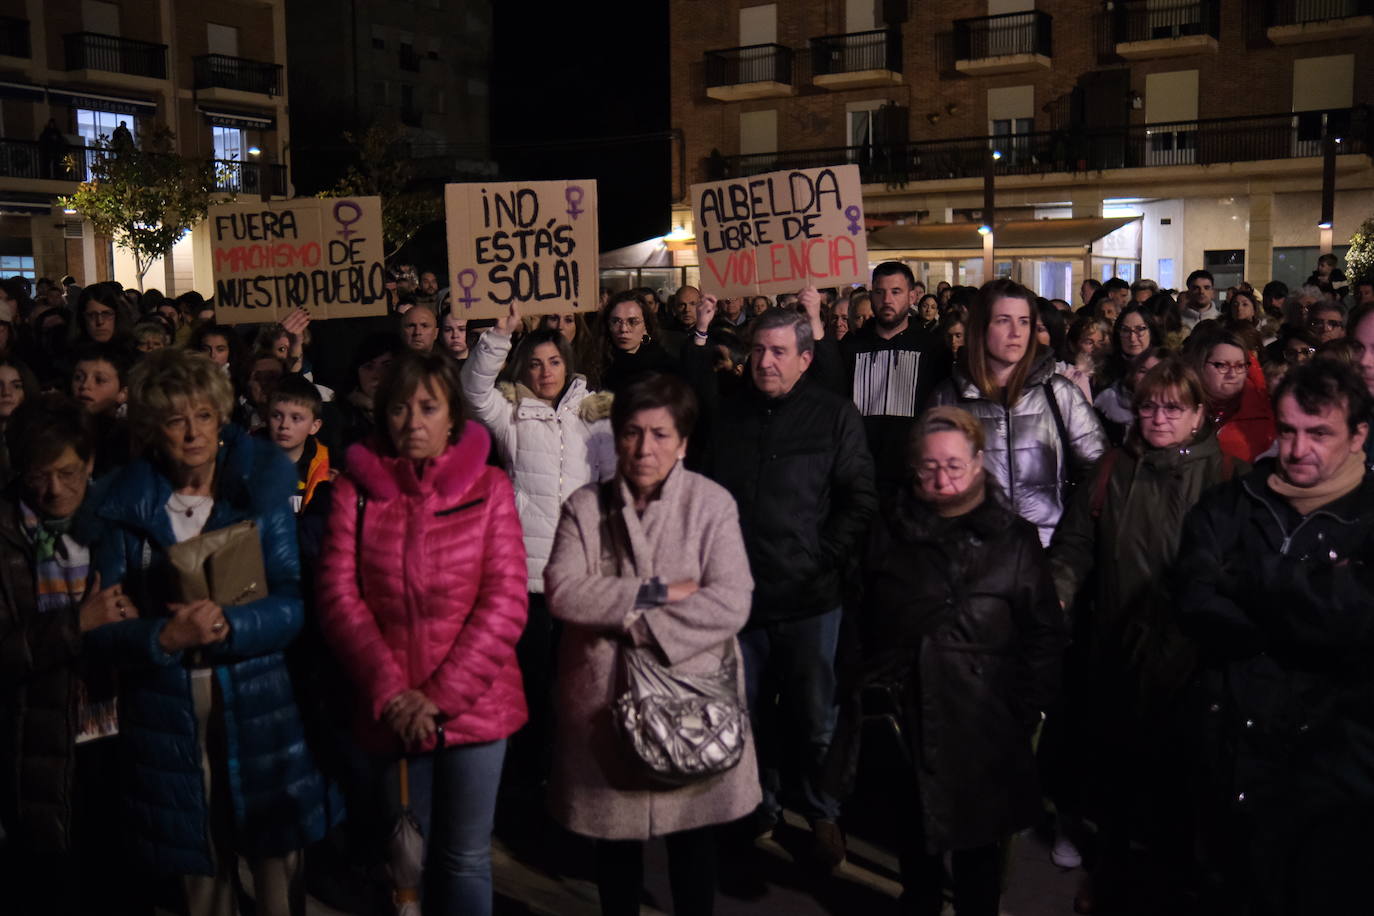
<point>324,255</point>
<point>782,231</point>
<point>533,243</point>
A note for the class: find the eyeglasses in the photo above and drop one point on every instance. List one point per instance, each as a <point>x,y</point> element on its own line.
<point>1298,354</point>
<point>954,469</point>
<point>100,317</point>
<point>1330,324</point>
<point>1139,331</point>
<point>1150,408</point>
<point>1221,368</point>
<point>66,476</point>
<point>626,322</point>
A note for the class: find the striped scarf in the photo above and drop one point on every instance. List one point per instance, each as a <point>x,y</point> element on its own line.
<point>62,564</point>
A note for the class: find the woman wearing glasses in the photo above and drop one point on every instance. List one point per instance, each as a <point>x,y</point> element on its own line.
<point>628,348</point>
<point>962,637</point>
<point>1121,532</point>
<point>1237,400</point>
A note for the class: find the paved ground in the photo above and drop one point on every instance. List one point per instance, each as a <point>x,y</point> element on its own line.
<point>865,884</point>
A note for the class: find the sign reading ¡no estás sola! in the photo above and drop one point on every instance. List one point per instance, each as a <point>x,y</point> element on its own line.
<point>319,254</point>
<point>532,243</point>
<point>781,231</point>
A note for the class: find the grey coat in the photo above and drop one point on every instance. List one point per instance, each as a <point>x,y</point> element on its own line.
<point>1025,453</point>
<point>691,532</point>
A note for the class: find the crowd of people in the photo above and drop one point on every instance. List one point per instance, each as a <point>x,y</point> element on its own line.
<point>666,569</point>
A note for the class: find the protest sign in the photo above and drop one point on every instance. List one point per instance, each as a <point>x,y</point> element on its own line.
<point>780,232</point>
<point>320,254</point>
<point>533,243</point>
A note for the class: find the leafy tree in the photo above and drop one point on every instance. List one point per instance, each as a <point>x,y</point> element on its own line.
<point>146,196</point>
<point>1359,260</point>
<point>383,169</point>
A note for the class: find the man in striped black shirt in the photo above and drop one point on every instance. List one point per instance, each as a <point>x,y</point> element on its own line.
<point>893,366</point>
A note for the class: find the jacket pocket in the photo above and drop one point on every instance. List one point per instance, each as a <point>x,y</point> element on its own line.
<point>460,508</point>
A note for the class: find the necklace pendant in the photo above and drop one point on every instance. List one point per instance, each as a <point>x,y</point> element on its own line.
<point>190,512</point>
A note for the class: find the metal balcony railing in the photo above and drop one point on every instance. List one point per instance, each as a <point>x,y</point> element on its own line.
<point>220,71</point>
<point>1211,141</point>
<point>1149,20</point>
<point>983,37</point>
<point>250,177</point>
<point>93,51</point>
<point>880,49</point>
<point>750,64</point>
<point>14,37</point>
<point>1305,12</point>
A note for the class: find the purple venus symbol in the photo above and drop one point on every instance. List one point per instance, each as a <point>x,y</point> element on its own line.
<point>573,195</point>
<point>853,213</point>
<point>346,231</point>
<point>467,279</point>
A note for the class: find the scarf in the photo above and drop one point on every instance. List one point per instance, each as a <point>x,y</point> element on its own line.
<point>1307,500</point>
<point>62,564</point>
<point>961,503</point>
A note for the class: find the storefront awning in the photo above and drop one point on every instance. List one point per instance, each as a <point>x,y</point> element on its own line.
<point>241,119</point>
<point>1018,233</point>
<point>99,101</point>
<point>26,204</point>
<point>648,253</point>
<point>26,92</point>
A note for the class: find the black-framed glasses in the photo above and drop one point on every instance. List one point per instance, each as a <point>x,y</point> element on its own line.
<point>1330,324</point>
<point>1298,354</point>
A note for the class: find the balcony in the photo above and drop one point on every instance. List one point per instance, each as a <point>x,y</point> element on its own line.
<point>1216,141</point>
<point>111,59</point>
<point>1009,43</point>
<point>1173,28</point>
<point>859,60</point>
<point>14,39</point>
<point>1296,21</point>
<point>221,78</point>
<point>751,72</point>
<point>260,178</point>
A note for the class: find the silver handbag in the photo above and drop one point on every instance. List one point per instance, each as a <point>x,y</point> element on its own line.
<point>682,727</point>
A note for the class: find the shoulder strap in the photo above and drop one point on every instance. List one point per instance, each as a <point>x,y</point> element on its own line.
<point>1103,480</point>
<point>358,540</point>
<point>1228,467</point>
<point>1060,427</point>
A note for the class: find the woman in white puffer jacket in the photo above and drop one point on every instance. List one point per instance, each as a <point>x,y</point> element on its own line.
<point>553,436</point>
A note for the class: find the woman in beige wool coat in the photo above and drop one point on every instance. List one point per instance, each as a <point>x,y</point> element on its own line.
<point>681,586</point>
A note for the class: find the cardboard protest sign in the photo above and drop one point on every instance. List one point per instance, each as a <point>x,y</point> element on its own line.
<point>324,255</point>
<point>781,231</point>
<point>534,243</point>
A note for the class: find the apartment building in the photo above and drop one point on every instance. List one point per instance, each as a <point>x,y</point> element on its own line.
<point>213,73</point>
<point>421,67</point>
<point>1138,138</point>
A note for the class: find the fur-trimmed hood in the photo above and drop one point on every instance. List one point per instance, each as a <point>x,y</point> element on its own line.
<point>593,406</point>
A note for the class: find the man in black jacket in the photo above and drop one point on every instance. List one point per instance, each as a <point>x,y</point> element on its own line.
<point>1277,571</point>
<point>892,366</point>
<point>793,455</point>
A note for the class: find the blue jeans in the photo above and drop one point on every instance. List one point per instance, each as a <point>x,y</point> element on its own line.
<point>789,676</point>
<point>453,796</point>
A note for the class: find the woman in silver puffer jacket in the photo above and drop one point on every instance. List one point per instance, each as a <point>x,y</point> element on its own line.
<point>1041,431</point>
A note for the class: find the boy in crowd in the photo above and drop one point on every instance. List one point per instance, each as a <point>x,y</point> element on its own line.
<point>293,420</point>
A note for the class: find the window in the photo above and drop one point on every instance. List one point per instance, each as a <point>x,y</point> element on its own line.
<point>863,130</point>
<point>1171,108</point>
<point>17,265</point>
<point>92,125</point>
<point>433,51</point>
<point>440,102</point>
<point>1011,137</point>
<point>1227,266</point>
<point>1165,274</point>
<point>230,143</point>
<point>378,38</point>
<point>407,96</point>
<point>381,92</point>
<point>222,39</point>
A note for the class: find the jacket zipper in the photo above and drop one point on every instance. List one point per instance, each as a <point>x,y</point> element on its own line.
<point>1288,536</point>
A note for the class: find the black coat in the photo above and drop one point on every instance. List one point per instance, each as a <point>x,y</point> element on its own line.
<point>959,616</point>
<point>40,662</point>
<point>800,470</point>
<point>1283,609</point>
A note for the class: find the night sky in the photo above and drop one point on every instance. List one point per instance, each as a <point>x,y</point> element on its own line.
<point>565,84</point>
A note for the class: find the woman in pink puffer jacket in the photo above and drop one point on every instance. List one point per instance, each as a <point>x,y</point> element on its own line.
<point>427,627</point>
